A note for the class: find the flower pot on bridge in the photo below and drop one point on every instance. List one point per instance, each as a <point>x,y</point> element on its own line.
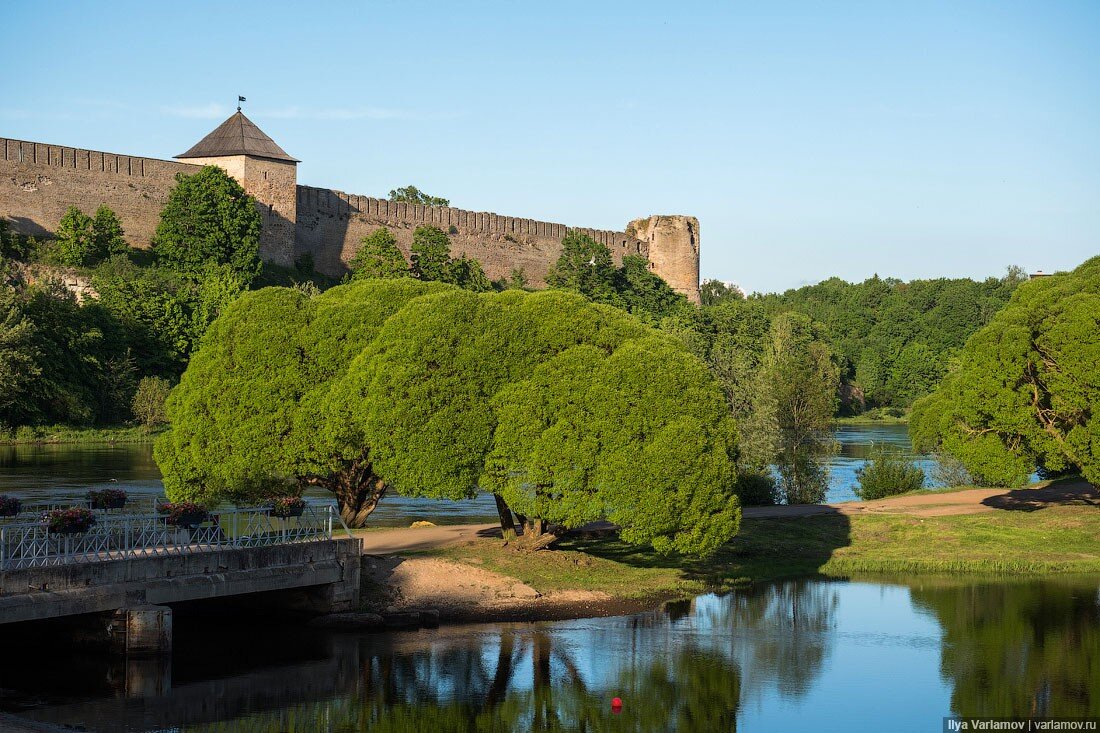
<point>184,514</point>
<point>10,506</point>
<point>107,499</point>
<point>73,520</point>
<point>288,506</point>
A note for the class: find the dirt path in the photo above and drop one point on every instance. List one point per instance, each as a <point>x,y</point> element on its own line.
<point>938,504</point>
<point>933,504</point>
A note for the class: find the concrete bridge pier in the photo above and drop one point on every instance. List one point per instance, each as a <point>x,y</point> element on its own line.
<point>141,631</point>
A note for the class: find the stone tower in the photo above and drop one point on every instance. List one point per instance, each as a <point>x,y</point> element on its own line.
<point>673,250</point>
<point>265,171</point>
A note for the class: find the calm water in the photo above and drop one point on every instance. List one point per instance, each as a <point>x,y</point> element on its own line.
<point>800,655</point>
<point>63,472</point>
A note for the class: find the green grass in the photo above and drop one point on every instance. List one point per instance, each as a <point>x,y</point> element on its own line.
<point>874,417</point>
<point>1054,540</point>
<point>63,434</point>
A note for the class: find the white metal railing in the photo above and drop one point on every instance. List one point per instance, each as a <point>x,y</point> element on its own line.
<point>28,544</point>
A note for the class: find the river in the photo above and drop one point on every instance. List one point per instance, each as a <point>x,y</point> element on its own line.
<point>868,654</point>
<point>58,473</point>
<point>797,655</point>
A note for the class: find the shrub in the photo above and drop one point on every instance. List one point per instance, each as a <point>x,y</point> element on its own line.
<point>950,471</point>
<point>887,473</point>
<point>757,489</point>
<point>148,404</point>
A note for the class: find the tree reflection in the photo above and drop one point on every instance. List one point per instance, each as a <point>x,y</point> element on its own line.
<point>784,629</point>
<point>1019,649</point>
<point>534,686</point>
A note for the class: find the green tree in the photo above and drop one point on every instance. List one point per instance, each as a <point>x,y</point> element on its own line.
<point>713,292</point>
<point>641,436</point>
<point>18,356</point>
<point>442,360</point>
<point>584,267</point>
<point>467,274</point>
<point>246,418</point>
<point>75,238</point>
<point>107,236</point>
<point>378,256</point>
<point>148,406</point>
<point>413,195</point>
<point>209,219</point>
<point>431,254</point>
<point>645,294</point>
<point>803,378</point>
<point>1024,391</point>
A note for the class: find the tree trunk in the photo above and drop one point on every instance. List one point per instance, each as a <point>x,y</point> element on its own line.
<point>358,491</point>
<point>535,535</point>
<point>357,502</point>
<point>507,525</point>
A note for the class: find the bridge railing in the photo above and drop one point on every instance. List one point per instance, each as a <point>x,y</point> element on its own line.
<point>124,536</point>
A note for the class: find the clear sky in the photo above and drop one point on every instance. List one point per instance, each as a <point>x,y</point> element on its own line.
<point>812,139</point>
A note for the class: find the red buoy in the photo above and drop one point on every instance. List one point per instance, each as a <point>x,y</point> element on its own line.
<point>616,704</point>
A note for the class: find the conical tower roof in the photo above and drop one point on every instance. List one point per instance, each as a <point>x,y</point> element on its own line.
<point>237,136</point>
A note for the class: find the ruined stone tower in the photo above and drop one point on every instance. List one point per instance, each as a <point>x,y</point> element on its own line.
<point>265,171</point>
<point>673,250</point>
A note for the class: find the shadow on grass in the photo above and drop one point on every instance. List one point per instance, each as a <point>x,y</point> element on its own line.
<point>1067,491</point>
<point>764,548</point>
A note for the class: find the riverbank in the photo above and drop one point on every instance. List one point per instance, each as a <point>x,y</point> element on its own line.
<point>1026,532</point>
<point>64,435</point>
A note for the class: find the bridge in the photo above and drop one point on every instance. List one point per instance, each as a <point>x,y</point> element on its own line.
<point>129,568</point>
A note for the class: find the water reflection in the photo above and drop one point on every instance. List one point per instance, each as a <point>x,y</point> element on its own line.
<point>785,656</point>
<point>1020,649</point>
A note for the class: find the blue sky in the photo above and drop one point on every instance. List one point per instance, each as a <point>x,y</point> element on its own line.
<point>811,139</point>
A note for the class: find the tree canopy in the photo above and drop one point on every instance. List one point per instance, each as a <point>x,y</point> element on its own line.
<point>277,351</point>
<point>1023,394</point>
<point>413,195</point>
<point>378,256</point>
<point>424,388</point>
<point>209,219</point>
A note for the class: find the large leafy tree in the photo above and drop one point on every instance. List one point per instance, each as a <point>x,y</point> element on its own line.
<point>18,355</point>
<point>246,416</point>
<point>802,377</point>
<point>75,239</point>
<point>431,254</point>
<point>209,219</point>
<point>447,364</point>
<point>585,267</point>
<point>640,436</point>
<point>1025,390</point>
<point>378,256</point>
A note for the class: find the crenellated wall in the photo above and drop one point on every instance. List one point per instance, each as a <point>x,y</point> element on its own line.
<point>38,182</point>
<point>332,223</point>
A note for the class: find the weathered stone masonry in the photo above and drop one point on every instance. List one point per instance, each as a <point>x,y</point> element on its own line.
<point>38,182</point>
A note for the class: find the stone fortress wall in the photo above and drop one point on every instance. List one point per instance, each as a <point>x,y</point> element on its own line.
<point>38,182</point>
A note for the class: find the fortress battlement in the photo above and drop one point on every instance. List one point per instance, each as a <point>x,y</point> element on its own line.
<point>39,181</point>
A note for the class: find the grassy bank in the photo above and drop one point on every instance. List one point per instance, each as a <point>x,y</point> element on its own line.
<point>59,434</point>
<point>874,417</point>
<point>1054,540</point>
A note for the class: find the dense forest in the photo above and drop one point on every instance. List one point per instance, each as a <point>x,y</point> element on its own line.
<point>894,340</point>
